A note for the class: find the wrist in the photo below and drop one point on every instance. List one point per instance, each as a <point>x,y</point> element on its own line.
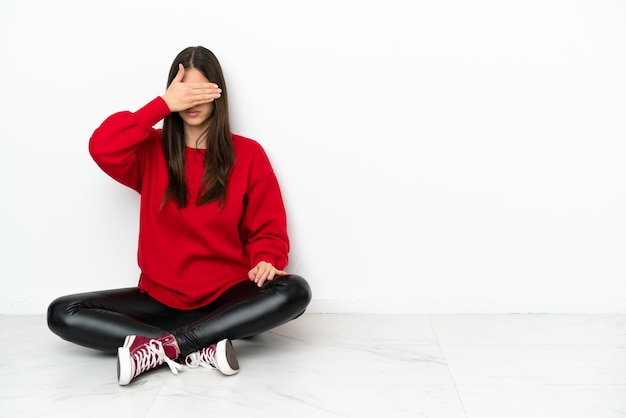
<point>153,112</point>
<point>166,100</point>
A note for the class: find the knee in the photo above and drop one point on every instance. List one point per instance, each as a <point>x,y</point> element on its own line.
<point>59,312</point>
<point>296,290</point>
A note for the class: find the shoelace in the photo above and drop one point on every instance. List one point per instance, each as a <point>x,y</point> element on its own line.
<point>204,358</point>
<point>153,355</point>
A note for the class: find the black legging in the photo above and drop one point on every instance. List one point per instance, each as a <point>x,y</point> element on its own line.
<point>102,320</point>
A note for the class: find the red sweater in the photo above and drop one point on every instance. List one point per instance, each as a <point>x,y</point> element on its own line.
<point>188,257</point>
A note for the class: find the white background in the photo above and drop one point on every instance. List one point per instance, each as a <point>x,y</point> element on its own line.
<point>435,156</point>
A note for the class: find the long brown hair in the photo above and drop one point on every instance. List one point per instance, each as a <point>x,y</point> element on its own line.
<point>219,156</point>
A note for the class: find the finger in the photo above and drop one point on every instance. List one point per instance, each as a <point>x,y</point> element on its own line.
<point>200,94</point>
<point>263,273</point>
<point>252,273</point>
<point>207,97</point>
<point>259,273</point>
<point>204,86</point>
<point>275,272</point>
<point>200,102</point>
<point>180,74</point>
<point>259,280</point>
<point>202,91</point>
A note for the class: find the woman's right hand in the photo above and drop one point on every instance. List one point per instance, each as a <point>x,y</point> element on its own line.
<point>181,96</point>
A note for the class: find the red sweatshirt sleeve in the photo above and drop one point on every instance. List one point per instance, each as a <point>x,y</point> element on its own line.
<point>114,146</point>
<point>264,223</point>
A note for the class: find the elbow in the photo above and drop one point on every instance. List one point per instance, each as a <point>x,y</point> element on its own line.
<point>94,147</point>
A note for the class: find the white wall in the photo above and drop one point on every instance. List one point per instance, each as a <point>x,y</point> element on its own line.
<point>435,156</point>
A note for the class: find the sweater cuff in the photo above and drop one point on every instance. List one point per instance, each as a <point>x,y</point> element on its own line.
<point>152,113</point>
<point>279,262</point>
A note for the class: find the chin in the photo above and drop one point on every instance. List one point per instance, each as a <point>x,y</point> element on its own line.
<point>195,121</point>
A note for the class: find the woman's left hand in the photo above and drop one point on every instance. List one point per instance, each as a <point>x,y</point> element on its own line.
<point>264,271</point>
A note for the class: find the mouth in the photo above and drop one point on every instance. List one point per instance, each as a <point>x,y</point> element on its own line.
<point>192,113</point>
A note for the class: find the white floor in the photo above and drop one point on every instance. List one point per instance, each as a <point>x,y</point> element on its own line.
<point>452,366</point>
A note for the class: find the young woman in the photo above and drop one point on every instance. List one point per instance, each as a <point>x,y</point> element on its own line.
<point>213,240</point>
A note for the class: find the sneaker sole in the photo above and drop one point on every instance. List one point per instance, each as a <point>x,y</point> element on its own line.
<point>124,363</point>
<point>226,358</point>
